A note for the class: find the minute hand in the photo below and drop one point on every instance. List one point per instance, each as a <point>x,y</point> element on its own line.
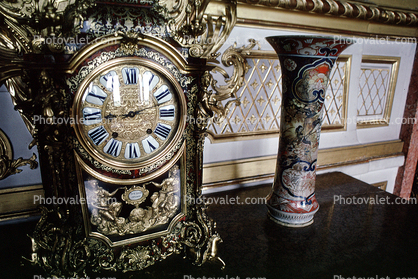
<point>133,113</point>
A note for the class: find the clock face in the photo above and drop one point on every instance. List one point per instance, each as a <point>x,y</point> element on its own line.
<point>131,112</point>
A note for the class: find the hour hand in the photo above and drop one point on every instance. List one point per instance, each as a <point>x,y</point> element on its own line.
<point>133,113</point>
<point>110,116</point>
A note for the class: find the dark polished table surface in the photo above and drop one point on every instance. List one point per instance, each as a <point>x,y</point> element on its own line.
<point>365,234</point>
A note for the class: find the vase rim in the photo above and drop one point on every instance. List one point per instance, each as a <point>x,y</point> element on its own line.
<point>347,40</point>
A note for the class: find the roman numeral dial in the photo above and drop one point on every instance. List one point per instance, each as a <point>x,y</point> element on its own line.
<point>92,115</point>
<point>98,135</point>
<point>130,113</point>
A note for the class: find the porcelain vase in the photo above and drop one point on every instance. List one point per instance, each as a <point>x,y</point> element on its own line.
<point>306,63</point>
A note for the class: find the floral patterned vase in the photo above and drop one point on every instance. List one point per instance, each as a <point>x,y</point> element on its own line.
<point>306,63</point>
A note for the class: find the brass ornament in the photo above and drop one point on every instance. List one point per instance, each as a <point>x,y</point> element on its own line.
<point>135,195</point>
<point>233,56</point>
<point>195,26</point>
<point>8,166</point>
<point>129,44</point>
<point>31,22</point>
<point>102,20</point>
<point>133,259</point>
<point>5,145</point>
<point>211,106</point>
<point>22,100</point>
<point>58,246</point>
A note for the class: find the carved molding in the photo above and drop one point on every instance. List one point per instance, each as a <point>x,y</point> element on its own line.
<point>340,8</point>
<point>262,168</point>
<point>8,166</point>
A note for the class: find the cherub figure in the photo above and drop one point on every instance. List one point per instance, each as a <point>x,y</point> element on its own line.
<point>106,211</point>
<point>168,186</point>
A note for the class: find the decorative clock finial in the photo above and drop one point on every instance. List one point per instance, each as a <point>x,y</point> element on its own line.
<point>129,44</point>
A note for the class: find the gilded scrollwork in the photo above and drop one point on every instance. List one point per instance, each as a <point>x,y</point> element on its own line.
<point>233,56</point>
<point>36,27</point>
<point>211,105</point>
<point>140,257</point>
<point>134,258</point>
<point>5,145</point>
<point>8,166</point>
<point>201,239</point>
<point>50,101</point>
<point>75,255</point>
<point>15,38</point>
<point>44,106</point>
<point>102,256</point>
<point>58,247</point>
<point>195,26</point>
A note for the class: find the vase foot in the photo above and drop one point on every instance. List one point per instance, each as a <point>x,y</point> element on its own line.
<point>289,224</point>
<point>294,220</point>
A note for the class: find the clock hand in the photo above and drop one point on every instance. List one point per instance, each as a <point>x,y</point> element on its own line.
<point>133,113</point>
<point>110,116</point>
<point>129,114</point>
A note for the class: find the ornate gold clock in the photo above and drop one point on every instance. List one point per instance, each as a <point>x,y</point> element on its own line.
<point>130,116</point>
<point>131,160</point>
